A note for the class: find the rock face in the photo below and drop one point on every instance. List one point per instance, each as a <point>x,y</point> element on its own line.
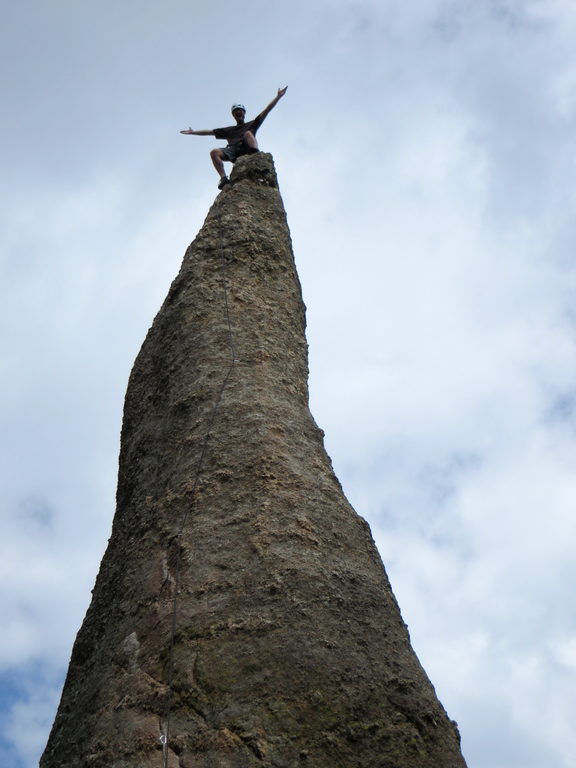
<point>242,613</point>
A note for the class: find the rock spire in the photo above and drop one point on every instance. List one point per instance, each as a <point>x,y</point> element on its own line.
<point>242,617</point>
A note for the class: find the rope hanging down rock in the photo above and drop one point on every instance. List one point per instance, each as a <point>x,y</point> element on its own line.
<point>165,730</point>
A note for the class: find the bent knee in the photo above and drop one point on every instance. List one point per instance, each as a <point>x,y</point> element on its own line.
<point>250,139</point>
<point>217,153</point>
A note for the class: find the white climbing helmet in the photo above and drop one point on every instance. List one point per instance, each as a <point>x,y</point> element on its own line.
<point>238,106</point>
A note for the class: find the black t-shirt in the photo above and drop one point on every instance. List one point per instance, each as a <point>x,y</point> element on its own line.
<point>235,133</point>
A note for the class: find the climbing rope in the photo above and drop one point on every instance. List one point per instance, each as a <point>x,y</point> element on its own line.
<point>165,735</point>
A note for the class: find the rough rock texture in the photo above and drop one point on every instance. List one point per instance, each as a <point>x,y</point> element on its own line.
<point>289,648</point>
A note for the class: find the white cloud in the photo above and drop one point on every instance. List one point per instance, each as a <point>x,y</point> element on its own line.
<point>565,652</point>
<point>25,725</point>
<point>426,158</point>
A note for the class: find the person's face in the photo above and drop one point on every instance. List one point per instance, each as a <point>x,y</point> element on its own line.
<point>238,115</point>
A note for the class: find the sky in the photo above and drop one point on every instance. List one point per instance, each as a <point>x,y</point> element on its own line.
<point>426,154</point>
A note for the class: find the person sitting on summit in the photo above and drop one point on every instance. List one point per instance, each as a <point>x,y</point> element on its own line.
<point>241,137</point>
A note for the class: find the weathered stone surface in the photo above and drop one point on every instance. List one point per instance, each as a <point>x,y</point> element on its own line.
<point>289,648</point>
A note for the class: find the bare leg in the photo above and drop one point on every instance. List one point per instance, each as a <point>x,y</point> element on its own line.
<point>217,157</point>
<point>250,140</point>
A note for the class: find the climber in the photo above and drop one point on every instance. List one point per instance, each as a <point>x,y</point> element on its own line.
<point>241,137</point>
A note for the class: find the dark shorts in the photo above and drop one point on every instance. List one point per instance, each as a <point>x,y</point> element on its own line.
<point>232,152</point>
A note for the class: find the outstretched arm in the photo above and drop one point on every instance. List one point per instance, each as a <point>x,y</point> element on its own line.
<point>275,100</point>
<point>190,132</point>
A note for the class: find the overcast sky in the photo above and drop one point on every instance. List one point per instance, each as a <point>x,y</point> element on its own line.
<point>426,153</point>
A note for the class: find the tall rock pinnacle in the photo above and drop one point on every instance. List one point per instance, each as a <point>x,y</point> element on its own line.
<point>242,617</point>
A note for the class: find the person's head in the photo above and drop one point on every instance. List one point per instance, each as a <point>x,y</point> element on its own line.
<point>238,112</point>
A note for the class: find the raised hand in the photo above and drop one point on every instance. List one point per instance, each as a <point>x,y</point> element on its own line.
<point>188,132</point>
<point>282,91</point>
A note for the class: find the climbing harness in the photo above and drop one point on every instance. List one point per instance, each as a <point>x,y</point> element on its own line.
<point>165,735</point>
